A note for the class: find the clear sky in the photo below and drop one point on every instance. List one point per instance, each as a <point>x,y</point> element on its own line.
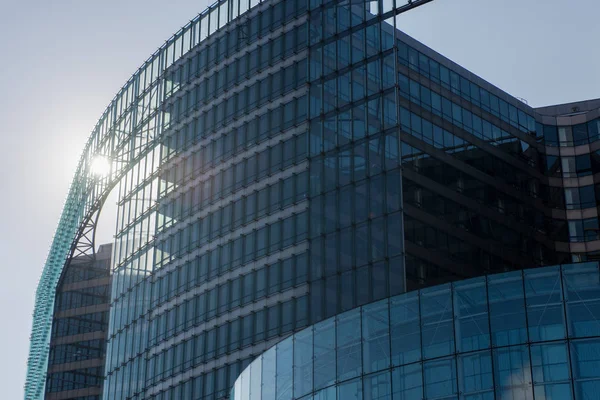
<point>62,61</point>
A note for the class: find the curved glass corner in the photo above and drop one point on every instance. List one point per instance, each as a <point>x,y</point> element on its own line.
<point>532,334</point>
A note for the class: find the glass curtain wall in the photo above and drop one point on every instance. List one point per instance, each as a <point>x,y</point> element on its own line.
<point>212,228</point>
<point>531,334</point>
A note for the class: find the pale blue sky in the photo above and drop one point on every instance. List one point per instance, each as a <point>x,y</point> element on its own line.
<point>62,61</point>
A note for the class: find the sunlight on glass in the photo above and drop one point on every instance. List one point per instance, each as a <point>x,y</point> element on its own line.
<point>100,166</point>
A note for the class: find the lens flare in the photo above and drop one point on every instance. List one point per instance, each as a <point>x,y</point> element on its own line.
<point>100,166</point>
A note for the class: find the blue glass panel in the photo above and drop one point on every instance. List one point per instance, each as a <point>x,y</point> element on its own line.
<point>582,296</point>
<point>475,379</point>
<point>512,373</point>
<point>405,328</point>
<point>440,379</point>
<point>377,386</point>
<point>348,345</point>
<point>303,362</point>
<point>507,309</point>
<point>585,359</point>
<point>376,338</point>
<point>256,379</point>
<point>326,394</point>
<point>550,371</point>
<point>471,315</point>
<point>351,390</point>
<point>244,387</point>
<point>285,354</point>
<point>408,382</point>
<point>324,350</point>
<point>543,291</point>
<point>269,374</point>
<point>436,321</point>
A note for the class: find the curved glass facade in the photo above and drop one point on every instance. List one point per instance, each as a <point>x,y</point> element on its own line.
<point>532,334</point>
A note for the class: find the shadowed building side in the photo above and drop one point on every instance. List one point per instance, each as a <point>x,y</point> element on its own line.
<point>80,329</point>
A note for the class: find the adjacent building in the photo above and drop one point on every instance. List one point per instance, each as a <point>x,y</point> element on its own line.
<point>304,177</point>
<point>80,329</point>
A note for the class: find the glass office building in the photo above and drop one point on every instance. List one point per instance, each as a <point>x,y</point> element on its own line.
<point>282,162</point>
<point>531,334</point>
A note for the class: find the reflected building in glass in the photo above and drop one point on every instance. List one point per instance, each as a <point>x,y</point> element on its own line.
<point>304,170</point>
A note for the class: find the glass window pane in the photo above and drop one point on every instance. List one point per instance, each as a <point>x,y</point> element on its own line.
<point>471,315</point>
<point>325,394</point>
<point>585,356</point>
<point>244,389</point>
<point>268,375</point>
<point>405,329</point>
<point>324,350</point>
<point>475,379</point>
<point>507,309</point>
<point>512,373</point>
<point>582,293</point>
<point>408,382</point>
<point>544,304</point>
<point>376,339</point>
<point>377,387</point>
<point>256,379</point>
<point>550,371</point>
<point>440,379</point>
<point>303,362</point>
<point>285,353</point>
<point>436,321</point>
<point>351,390</point>
<point>348,345</point>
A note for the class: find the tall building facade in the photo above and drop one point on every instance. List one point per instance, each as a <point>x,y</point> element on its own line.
<point>80,329</point>
<point>283,162</point>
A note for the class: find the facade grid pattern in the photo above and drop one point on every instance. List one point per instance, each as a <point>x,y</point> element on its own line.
<point>282,162</point>
<point>531,334</point>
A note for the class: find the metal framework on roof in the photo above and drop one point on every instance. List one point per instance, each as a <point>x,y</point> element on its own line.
<point>128,130</point>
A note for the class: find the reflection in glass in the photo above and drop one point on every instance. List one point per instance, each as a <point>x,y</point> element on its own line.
<point>544,304</point>
<point>439,377</point>
<point>512,373</point>
<point>324,350</point>
<point>436,321</point>
<point>377,386</point>
<point>269,375</point>
<point>507,309</point>
<point>326,394</point>
<point>376,339</point>
<point>245,385</point>
<point>405,329</point>
<point>471,311</point>
<point>256,379</point>
<point>351,390</point>
<point>348,345</point>
<point>285,353</point>
<point>303,362</point>
<point>359,342</point>
<point>407,382</point>
<point>550,368</point>
<point>582,297</point>
<point>475,375</point>
<point>585,358</point>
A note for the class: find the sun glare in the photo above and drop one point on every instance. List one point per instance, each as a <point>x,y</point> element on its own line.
<point>100,166</point>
